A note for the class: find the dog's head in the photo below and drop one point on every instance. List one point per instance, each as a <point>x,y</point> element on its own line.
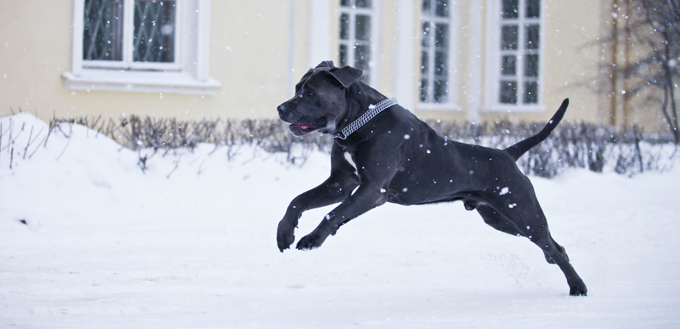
<point>319,101</point>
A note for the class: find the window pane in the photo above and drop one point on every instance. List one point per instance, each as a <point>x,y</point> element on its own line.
<point>441,35</point>
<point>344,26</point>
<point>363,27</point>
<point>424,62</point>
<point>510,9</point>
<point>363,3</point>
<point>427,6</point>
<point>532,36</point>
<point>426,34</point>
<point>531,66</point>
<point>343,55</point>
<point>345,3</point>
<point>509,65</point>
<point>154,31</point>
<point>509,37</point>
<point>508,92</point>
<point>424,97</point>
<point>531,92</point>
<point>441,63</point>
<point>442,8</point>
<point>533,8</point>
<point>362,56</point>
<point>103,30</point>
<point>441,92</point>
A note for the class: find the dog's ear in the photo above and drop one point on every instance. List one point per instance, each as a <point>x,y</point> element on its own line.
<point>325,64</point>
<point>346,75</point>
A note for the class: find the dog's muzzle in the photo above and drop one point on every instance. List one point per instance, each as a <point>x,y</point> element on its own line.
<point>299,124</point>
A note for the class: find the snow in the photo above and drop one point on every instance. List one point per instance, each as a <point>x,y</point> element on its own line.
<point>190,243</point>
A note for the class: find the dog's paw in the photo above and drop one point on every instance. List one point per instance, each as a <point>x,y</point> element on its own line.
<point>284,241</point>
<point>578,291</point>
<point>311,241</point>
<point>284,236</point>
<point>577,288</point>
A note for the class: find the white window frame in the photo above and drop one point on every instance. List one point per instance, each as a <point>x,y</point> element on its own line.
<point>374,13</point>
<point>451,103</point>
<point>189,74</point>
<point>494,57</point>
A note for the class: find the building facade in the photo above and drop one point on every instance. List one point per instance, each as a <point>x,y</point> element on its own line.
<point>469,60</point>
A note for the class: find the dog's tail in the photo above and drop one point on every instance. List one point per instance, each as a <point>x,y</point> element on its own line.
<point>520,148</point>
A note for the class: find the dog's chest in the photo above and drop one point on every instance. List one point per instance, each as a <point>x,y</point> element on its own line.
<point>350,160</point>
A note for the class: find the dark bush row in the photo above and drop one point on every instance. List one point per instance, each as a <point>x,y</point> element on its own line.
<point>569,146</point>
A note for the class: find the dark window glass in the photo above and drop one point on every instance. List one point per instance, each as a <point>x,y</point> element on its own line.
<point>363,3</point>
<point>424,97</point>
<point>344,26</point>
<point>532,36</point>
<point>510,9</point>
<point>425,62</point>
<point>440,90</point>
<point>509,65</point>
<point>345,3</point>
<point>427,5</point>
<point>509,37</point>
<point>508,92</point>
<point>441,35</point>
<point>441,63</point>
<point>363,27</point>
<point>533,8</point>
<point>531,65</point>
<point>426,34</point>
<point>154,31</point>
<point>343,55</point>
<point>531,92</point>
<point>442,8</point>
<point>362,56</point>
<point>103,30</point>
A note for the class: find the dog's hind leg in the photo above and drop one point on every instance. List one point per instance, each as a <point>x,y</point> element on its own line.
<point>556,253</point>
<point>519,221</point>
<point>498,221</point>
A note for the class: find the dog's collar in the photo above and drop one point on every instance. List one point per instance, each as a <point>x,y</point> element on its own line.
<point>373,110</point>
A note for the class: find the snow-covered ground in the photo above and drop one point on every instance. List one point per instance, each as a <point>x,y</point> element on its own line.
<point>190,243</point>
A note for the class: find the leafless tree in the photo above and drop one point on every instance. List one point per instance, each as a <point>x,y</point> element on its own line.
<point>652,29</point>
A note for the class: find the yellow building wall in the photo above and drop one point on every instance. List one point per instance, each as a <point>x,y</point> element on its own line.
<point>570,62</point>
<point>258,51</point>
<point>248,55</point>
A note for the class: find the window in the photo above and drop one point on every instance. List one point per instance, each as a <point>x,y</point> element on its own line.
<point>356,36</point>
<point>517,59</point>
<point>434,57</point>
<point>141,45</point>
<point>149,45</point>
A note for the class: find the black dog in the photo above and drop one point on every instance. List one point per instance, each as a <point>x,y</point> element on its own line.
<point>400,159</point>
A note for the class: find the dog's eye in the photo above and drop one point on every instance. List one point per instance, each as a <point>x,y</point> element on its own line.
<point>309,93</point>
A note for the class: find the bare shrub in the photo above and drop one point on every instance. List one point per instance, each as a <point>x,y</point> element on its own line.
<point>579,145</point>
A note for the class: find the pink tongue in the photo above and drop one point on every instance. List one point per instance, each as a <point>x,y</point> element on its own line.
<point>304,127</point>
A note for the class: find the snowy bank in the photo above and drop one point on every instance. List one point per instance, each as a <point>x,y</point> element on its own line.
<point>89,240</point>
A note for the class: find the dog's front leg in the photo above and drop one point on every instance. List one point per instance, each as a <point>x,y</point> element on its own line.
<point>364,199</point>
<point>330,192</point>
<point>336,188</point>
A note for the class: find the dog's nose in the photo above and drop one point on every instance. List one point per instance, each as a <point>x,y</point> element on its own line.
<point>281,108</point>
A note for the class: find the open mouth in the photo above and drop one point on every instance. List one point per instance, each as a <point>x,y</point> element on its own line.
<point>306,128</point>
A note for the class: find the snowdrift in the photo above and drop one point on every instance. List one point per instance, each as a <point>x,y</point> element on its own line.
<point>88,239</point>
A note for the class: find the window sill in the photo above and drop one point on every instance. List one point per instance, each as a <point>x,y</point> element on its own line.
<point>161,82</point>
<point>528,109</point>
<point>447,107</point>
